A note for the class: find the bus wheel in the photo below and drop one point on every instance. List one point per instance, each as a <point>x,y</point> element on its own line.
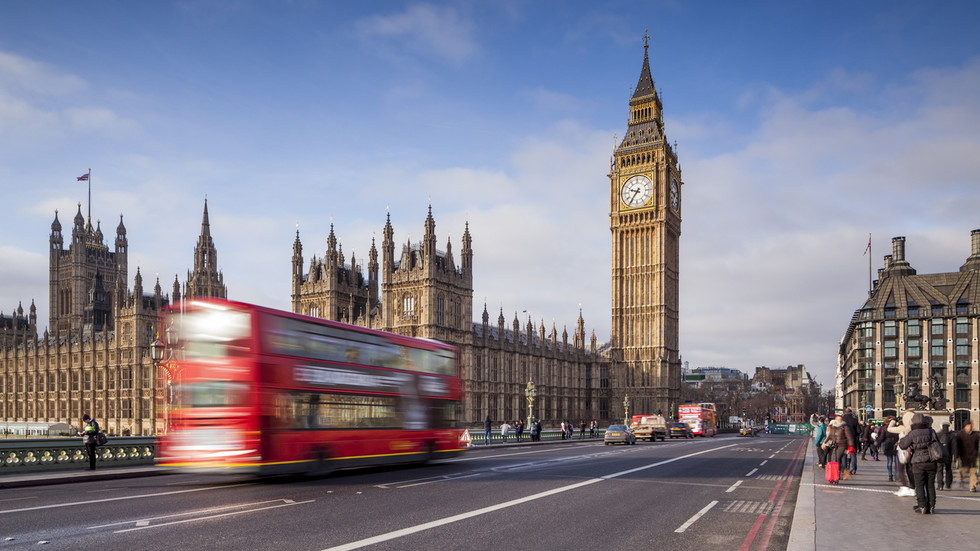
<point>321,464</point>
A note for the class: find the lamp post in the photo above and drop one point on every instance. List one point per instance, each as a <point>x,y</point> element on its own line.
<point>163,357</point>
<point>899,389</point>
<point>530,392</point>
<point>626,408</point>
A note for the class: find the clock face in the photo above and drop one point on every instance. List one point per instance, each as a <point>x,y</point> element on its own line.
<point>636,191</point>
<point>674,197</point>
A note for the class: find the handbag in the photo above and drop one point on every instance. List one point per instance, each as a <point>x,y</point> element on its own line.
<point>937,452</point>
<point>829,444</point>
<point>101,439</point>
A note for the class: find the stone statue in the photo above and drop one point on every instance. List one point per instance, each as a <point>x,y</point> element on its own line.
<point>938,400</point>
<point>915,399</point>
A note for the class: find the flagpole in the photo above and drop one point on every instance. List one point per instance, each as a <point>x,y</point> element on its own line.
<point>870,254</point>
<point>90,196</point>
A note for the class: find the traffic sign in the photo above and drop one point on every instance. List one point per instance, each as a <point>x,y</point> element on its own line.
<point>868,408</point>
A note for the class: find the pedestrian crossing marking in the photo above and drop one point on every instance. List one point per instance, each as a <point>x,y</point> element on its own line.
<point>753,507</point>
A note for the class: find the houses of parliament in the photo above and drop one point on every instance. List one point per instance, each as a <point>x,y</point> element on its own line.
<point>95,355</point>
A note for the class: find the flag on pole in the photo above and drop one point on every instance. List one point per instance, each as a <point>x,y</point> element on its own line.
<point>83,177</point>
<point>866,249</point>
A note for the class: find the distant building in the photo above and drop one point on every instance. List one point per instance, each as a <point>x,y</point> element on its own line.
<point>94,358</point>
<point>915,329</point>
<point>699,375</point>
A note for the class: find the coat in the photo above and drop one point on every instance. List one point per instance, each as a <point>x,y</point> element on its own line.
<point>917,442</point>
<point>89,431</point>
<point>888,441</point>
<point>819,434</point>
<point>840,432</point>
<point>965,447</point>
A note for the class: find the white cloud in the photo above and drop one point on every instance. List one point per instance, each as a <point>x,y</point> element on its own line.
<point>25,75</point>
<point>774,230</point>
<point>437,31</point>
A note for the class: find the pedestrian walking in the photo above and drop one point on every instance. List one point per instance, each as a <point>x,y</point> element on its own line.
<point>819,435</point>
<point>917,441</point>
<point>581,431</point>
<point>851,458</point>
<point>904,468</point>
<point>966,449</point>
<point>89,429</point>
<point>842,436</point>
<point>519,429</point>
<point>888,445</point>
<point>504,431</point>
<point>487,429</point>
<point>534,431</point>
<point>944,477</point>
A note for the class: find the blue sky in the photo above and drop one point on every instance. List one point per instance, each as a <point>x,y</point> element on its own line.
<point>801,128</point>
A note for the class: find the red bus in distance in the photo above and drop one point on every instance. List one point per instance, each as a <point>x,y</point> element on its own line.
<point>262,391</point>
<point>701,418</point>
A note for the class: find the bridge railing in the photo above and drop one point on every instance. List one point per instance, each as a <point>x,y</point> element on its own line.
<point>46,454</point>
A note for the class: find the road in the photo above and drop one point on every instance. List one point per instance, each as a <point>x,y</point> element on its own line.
<point>711,493</point>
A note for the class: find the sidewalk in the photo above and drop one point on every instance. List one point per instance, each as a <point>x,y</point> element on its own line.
<point>61,476</point>
<point>864,513</point>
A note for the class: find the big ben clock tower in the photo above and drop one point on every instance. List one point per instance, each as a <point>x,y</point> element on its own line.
<point>645,220</point>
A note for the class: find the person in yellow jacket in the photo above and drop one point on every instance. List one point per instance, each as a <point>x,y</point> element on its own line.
<point>89,429</point>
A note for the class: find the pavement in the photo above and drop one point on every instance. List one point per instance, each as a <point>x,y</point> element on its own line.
<point>45,478</point>
<point>863,512</point>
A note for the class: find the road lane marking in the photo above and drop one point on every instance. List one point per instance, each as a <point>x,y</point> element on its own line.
<point>121,498</point>
<point>284,503</point>
<point>424,481</point>
<point>512,503</point>
<point>752,472</point>
<point>733,486</point>
<point>696,516</point>
<point>764,462</point>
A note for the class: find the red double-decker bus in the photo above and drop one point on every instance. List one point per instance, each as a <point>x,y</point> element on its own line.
<point>263,391</point>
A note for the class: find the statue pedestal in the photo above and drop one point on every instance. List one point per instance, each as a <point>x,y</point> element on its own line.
<point>939,416</point>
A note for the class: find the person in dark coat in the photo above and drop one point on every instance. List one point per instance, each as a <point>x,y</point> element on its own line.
<point>89,429</point>
<point>487,430</point>
<point>944,477</point>
<point>923,468</point>
<point>966,448</point>
<point>851,459</point>
<point>888,444</point>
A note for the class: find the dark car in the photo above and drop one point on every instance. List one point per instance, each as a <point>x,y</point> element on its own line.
<point>747,431</point>
<point>619,434</point>
<point>680,430</point>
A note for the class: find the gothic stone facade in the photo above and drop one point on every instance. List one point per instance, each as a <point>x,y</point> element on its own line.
<point>95,359</point>
<point>645,221</point>
<point>917,329</point>
<point>424,292</point>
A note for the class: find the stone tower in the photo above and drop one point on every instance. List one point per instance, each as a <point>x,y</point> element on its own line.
<point>425,293</point>
<point>645,220</point>
<point>80,276</point>
<point>333,289</point>
<point>205,280</point>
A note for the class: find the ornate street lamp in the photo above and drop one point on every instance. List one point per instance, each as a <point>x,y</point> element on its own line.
<point>164,358</point>
<point>626,408</point>
<point>530,392</point>
<point>899,389</point>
